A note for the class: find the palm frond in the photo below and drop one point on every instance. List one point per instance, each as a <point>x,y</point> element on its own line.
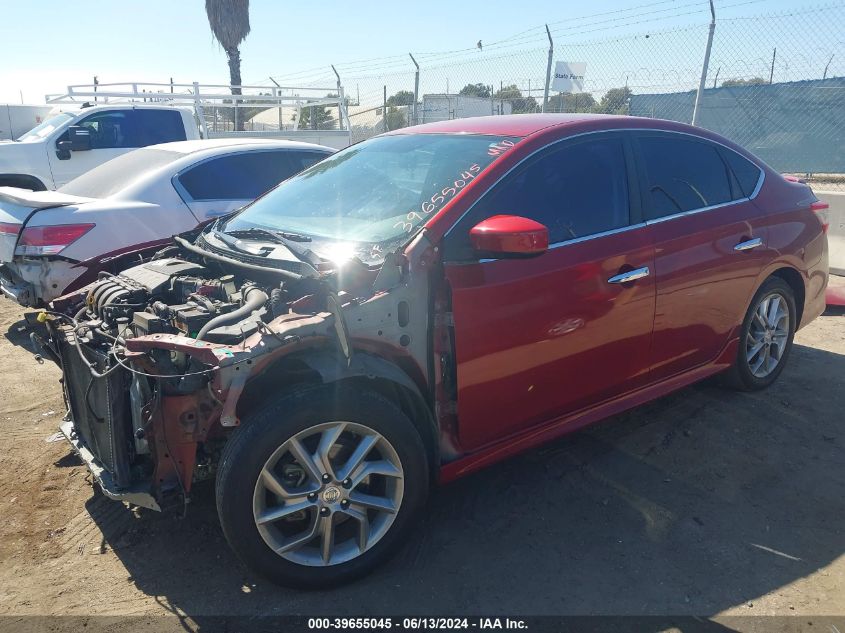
<point>229,21</point>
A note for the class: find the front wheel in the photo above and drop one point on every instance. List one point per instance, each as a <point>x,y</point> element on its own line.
<point>766,337</point>
<point>321,485</point>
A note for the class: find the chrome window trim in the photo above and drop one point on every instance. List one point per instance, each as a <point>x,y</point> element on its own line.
<point>593,236</point>
<point>640,225</point>
<point>576,240</point>
<point>683,214</point>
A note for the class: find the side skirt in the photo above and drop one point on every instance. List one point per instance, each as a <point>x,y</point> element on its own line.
<point>536,436</point>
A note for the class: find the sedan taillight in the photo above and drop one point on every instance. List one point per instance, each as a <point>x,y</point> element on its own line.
<point>6,228</point>
<point>820,209</point>
<point>49,240</point>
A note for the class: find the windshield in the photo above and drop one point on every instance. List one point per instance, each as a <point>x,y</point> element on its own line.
<point>118,173</point>
<point>43,129</point>
<point>378,191</point>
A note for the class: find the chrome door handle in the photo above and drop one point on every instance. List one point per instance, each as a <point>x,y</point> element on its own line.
<point>749,244</point>
<point>631,275</point>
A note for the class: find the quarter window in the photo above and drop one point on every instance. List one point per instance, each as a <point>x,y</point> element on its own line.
<point>575,191</point>
<point>158,126</point>
<point>747,173</point>
<point>239,176</point>
<point>682,175</point>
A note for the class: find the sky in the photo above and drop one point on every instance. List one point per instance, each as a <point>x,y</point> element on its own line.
<point>48,44</point>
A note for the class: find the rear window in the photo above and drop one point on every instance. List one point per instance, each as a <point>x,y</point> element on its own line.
<point>158,126</point>
<point>683,174</point>
<point>242,176</point>
<point>117,174</point>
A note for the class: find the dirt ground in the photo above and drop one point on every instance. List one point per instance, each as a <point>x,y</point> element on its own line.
<point>704,502</point>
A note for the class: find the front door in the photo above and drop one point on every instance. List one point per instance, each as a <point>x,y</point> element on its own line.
<point>112,134</point>
<point>539,338</point>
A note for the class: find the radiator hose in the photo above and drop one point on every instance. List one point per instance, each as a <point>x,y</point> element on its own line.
<point>254,298</point>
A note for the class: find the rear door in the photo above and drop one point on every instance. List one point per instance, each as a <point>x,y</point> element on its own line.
<point>539,338</point>
<point>710,245</point>
<point>220,185</point>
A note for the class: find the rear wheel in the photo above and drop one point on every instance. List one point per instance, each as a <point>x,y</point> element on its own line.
<point>766,337</point>
<point>321,485</point>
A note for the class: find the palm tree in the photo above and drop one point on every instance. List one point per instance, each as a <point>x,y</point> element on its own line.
<point>229,21</point>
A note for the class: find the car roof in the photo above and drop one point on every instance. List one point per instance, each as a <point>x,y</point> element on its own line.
<point>527,124</point>
<point>191,147</point>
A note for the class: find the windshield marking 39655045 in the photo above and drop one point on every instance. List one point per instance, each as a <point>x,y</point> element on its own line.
<point>377,192</point>
<point>438,199</point>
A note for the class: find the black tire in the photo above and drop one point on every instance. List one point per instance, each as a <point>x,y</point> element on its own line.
<point>740,375</point>
<point>268,428</point>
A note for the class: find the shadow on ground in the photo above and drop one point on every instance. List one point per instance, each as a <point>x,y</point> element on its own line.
<point>701,501</point>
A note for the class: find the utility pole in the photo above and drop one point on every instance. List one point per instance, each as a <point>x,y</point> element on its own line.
<point>705,65</point>
<point>340,97</point>
<point>416,86</point>
<point>548,69</point>
<point>384,111</point>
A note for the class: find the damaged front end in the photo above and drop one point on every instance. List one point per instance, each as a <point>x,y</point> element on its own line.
<point>161,361</point>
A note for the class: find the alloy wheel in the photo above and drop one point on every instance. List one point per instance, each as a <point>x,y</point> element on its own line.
<point>768,335</point>
<point>328,494</point>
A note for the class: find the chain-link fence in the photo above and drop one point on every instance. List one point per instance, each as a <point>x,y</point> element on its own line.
<point>774,83</point>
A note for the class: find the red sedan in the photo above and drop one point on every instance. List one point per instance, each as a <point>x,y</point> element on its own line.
<point>421,305</point>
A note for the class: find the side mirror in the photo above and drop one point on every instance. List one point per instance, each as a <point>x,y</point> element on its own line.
<point>509,236</point>
<point>63,149</point>
<point>79,137</point>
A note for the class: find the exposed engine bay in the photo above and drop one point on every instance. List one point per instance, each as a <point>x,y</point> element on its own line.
<point>174,296</point>
<point>160,360</point>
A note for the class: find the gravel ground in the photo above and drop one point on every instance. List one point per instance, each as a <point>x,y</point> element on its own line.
<point>704,502</point>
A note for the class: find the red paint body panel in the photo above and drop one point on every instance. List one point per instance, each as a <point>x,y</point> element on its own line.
<point>544,346</point>
<point>537,338</point>
<point>703,285</point>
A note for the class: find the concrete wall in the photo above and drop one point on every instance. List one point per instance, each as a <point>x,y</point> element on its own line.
<point>836,233</point>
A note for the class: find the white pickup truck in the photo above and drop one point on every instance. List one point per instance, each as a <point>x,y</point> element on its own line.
<point>69,143</point>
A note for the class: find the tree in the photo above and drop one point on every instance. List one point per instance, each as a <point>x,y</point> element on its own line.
<point>395,118</point>
<point>322,117</point>
<point>754,81</point>
<point>401,98</point>
<point>229,22</point>
<point>615,101</point>
<point>519,104</point>
<point>475,90</point>
<point>571,102</point>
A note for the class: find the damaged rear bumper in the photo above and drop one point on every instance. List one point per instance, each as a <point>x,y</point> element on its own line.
<point>138,495</point>
<point>37,281</point>
<point>16,289</point>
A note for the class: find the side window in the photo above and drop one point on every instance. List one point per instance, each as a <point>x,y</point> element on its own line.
<point>158,126</point>
<point>682,175</point>
<point>576,191</point>
<point>111,129</point>
<point>238,176</point>
<point>306,159</point>
<point>747,173</point>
